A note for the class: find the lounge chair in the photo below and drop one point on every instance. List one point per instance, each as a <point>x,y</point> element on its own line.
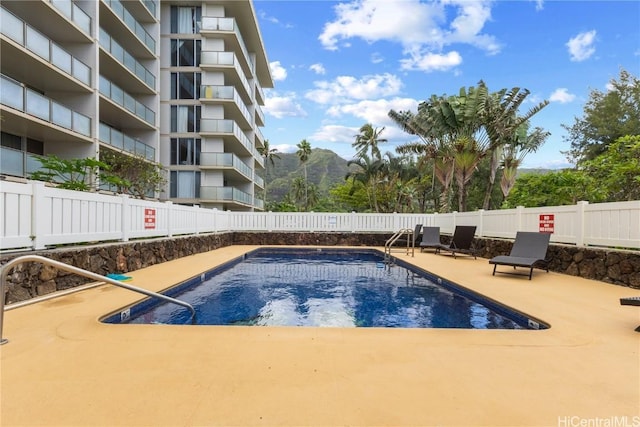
<point>461,241</point>
<point>416,237</point>
<point>529,250</point>
<point>631,301</point>
<point>430,238</point>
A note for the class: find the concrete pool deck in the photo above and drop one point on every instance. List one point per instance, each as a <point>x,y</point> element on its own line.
<point>63,367</point>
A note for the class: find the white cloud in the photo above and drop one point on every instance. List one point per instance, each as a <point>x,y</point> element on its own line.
<point>374,111</point>
<point>376,58</point>
<point>277,71</point>
<point>581,46</point>
<point>318,68</point>
<point>345,88</point>
<point>431,62</point>
<point>421,28</point>
<point>280,106</point>
<point>334,133</point>
<point>562,96</point>
<point>539,5</point>
<point>285,148</point>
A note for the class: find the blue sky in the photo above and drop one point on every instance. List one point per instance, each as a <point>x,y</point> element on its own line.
<point>339,65</point>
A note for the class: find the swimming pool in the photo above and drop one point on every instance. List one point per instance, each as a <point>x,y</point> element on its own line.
<point>326,287</point>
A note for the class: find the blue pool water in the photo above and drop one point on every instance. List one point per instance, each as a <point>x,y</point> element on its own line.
<point>313,287</point>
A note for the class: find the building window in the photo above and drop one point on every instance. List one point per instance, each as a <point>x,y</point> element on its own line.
<point>185,118</point>
<point>185,53</point>
<point>185,151</point>
<point>186,20</point>
<point>185,85</point>
<point>184,185</point>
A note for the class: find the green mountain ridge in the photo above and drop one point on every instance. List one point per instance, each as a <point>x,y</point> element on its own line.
<point>324,169</point>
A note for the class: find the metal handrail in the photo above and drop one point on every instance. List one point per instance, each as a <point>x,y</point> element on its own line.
<point>36,258</point>
<point>410,241</point>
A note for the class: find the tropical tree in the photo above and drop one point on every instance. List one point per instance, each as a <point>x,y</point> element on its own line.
<point>132,174</point>
<point>617,170</point>
<point>368,173</point>
<point>69,174</point>
<point>303,153</point>
<point>607,116</point>
<point>515,151</point>
<point>269,154</point>
<point>502,121</point>
<point>368,139</point>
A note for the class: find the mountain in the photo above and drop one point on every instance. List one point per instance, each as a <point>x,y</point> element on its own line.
<point>324,169</point>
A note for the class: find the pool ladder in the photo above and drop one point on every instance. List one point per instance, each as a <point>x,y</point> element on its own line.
<point>62,266</point>
<point>410,249</point>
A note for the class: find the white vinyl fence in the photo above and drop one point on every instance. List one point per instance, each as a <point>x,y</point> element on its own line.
<point>35,216</point>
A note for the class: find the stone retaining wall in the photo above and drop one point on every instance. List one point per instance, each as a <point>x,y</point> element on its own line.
<point>30,280</point>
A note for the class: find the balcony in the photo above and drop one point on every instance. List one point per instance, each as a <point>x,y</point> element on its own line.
<point>227,29</point>
<point>235,139</point>
<point>120,60</point>
<point>259,116</point>
<point>20,99</point>
<point>212,194</point>
<point>228,63</point>
<point>119,140</point>
<point>235,109</point>
<point>259,93</point>
<point>17,163</point>
<point>132,33</point>
<point>233,166</point>
<point>41,54</point>
<point>258,181</point>
<point>124,108</point>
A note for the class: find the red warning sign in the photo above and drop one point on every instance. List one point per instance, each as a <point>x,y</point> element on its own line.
<point>149,219</point>
<point>547,223</point>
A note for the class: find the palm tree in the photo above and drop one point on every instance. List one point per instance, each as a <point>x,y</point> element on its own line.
<point>303,153</point>
<point>368,173</point>
<point>368,138</point>
<point>269,154</point>
<point>522,144</point>
<point>502,122</point>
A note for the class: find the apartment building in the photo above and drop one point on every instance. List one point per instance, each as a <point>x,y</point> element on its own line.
<point>174,82</point>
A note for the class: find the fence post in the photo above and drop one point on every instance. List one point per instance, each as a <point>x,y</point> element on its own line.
<point>480,231</point>
<point>214,213</point>
<point>580,222</point>
<point>125,220</point>
<point>352,221</point>
<point>170,216</point>
<point>38,215</point>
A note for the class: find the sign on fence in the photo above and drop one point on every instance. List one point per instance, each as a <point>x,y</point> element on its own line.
<point>547,223</point>
<point>149,219</point>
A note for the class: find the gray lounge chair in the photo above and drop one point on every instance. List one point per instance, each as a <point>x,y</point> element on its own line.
<point>430,238</point>
<point>461,241</point>
<point>529,250</point>
<point>416,237</point>
<point>631,301</point>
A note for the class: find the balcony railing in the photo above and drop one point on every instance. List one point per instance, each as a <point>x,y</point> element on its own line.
<point>225,194</point>
<point>151,6</point>
<point>25,35</point>
<point>225,160</point>
<point>228,127</point>
<point>17,163</point>
<point>15,95</point>
<point>137,28</point>
<point>226,93</point>
<point>128,102</point>
<point>69,9</point>
<point>119,140</point>
<point>109,44</point>
<point>259,181</point>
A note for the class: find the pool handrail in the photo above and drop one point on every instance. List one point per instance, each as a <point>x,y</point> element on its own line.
<point>36,258</point>
<point>391,240</point>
